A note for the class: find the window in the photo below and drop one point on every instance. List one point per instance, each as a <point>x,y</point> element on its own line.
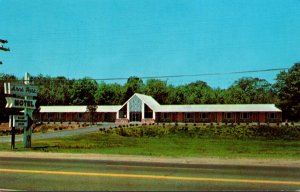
<point>189,115</point>
<point>61,115</point>
<point>204,115</point>
<point>245,115</point>
<point>123,112</point>
<point>273,115</point>
<point>165,115</point>
<point>50,115</point>
<point>228,116</point>
<point>148,112</point>
<point>79,115</point>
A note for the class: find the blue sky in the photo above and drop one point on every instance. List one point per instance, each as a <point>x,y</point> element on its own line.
<point>122,38</point>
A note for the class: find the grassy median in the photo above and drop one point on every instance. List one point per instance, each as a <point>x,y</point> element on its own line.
<point>176,142</point>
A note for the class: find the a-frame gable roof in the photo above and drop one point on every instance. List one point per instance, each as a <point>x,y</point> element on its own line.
<point>148,100</point>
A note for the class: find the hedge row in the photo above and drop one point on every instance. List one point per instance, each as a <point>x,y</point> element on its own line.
<point>229,131</point>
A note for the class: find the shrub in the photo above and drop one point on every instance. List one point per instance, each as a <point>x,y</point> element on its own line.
<point>44,128</point>
<point>229,131</point>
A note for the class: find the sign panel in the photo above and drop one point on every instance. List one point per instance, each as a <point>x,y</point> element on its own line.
<point>18,121</point>
<point>20,103</point>
<point>20,89</point>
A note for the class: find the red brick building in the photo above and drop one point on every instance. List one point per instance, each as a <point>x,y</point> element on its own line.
<point>145,109</point>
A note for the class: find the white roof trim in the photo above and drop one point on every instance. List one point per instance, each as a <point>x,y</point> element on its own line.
<point>78,109</point>
<point>156,107</point>
<point>148,100</point>
<point>220,108</point>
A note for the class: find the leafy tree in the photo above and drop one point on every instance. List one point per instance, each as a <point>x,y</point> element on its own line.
<point>218,96</point>
<point>133,85</point>
<point>250,90</point>
<point>83,92</point>
<point>53,91</point>
<point>109,94</point>
<point>288,91</point>
<point>91,109</point>
<point>198,93</point>
<point>177,95</point>
<point>158,90</point>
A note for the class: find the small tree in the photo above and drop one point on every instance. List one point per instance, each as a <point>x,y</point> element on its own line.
<point>91,109</point>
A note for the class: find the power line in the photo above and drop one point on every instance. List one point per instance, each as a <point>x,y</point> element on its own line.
<point>191,75</point>
<point>176,76</point>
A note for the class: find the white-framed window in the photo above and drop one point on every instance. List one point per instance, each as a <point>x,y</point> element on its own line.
<point>245,115</point>
<point>204,115</point>
<point>51,115</point>
<point>79,115</point>
<point>61,115</point>
<point>273,116</point>
<point>166,115</point>
<point>123,112</point>
<point>189,115</point>
<point>229,115</point>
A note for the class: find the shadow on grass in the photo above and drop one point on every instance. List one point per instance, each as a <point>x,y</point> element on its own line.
<point>44,148</point>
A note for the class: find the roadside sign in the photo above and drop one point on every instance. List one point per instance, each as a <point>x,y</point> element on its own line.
<point>18,121</point>
<point>27,91</point>
<point>12,102</point>
<point>20,89</point>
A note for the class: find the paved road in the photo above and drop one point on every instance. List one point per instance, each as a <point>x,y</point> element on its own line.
<point>64,133</point>
<point>79,174</point>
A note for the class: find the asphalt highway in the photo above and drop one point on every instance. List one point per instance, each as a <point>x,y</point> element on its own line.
<point>82,174</point>
<point>57,134</point>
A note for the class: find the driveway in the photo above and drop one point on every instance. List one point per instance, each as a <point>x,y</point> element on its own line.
<point>56,134</point>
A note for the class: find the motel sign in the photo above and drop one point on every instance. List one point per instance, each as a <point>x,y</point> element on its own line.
<point>20,103</point>
<point>20,89</point>
<point>27,103</point>
<point>18,121</point>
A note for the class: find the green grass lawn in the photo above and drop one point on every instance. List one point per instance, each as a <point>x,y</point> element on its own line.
<point>168,145</point>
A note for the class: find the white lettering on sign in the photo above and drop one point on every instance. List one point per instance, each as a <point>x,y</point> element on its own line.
<point>18,121</point>
<point>20,118</point>
<point>20,89</point>
<point>20,103</point>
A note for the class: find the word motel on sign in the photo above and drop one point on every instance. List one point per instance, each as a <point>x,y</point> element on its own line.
<point>23,103</point>
<point>20,103</point>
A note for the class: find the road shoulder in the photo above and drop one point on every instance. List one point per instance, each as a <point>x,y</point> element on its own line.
<point>150,159</point>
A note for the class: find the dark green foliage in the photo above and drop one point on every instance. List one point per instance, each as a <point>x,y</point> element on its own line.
<point>158,90</point>
<point>62,91</point>
<point>83,92</point>
<point>249,91</point>
<point>288,92</point>
<point>229,131</point>
<point>109,94</point>
<point>133,85</point>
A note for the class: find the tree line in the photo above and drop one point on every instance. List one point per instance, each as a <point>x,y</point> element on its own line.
<point>285,92</point>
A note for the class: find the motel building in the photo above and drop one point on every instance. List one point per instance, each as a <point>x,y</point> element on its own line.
<point>145,109</point>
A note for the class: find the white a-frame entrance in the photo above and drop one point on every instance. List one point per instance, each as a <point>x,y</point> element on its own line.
<point>138,109</point>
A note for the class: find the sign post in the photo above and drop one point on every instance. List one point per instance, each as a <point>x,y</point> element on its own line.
<point>28,104</point>
<point>28,113</point>
<point>11,124</point>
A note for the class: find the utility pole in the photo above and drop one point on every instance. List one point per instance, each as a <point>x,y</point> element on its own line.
<point>3,48</point>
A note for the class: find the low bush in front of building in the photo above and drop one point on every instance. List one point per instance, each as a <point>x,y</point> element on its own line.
<point>220,131</point>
